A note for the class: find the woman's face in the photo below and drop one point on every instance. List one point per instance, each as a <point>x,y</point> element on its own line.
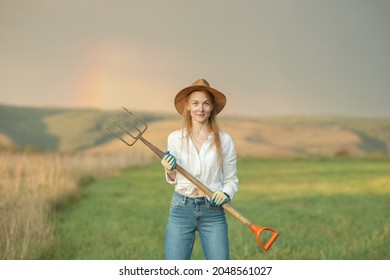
<point>200,106</point>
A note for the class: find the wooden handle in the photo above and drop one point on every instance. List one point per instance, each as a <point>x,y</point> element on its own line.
<point>193,180</point>
<point>255,229</point>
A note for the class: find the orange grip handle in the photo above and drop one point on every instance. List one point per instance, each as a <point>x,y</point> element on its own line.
<point>258,230</point>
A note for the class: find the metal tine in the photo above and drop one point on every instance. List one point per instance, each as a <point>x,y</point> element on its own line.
<point>137,119</point>
<point>132,124</point>
<point>119,136</point>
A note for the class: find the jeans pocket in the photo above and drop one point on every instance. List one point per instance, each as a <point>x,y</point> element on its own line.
<point>177,201</point>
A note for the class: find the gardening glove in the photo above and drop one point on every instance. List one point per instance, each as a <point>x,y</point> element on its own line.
<point>168,161</point>
<point>219,198</point>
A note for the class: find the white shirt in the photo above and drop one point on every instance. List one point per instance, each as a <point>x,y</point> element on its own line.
<point>204,165</point>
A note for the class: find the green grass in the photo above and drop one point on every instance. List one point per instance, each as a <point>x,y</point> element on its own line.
<point>323,209</point>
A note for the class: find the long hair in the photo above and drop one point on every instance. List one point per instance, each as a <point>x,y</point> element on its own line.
<point>212,126</point>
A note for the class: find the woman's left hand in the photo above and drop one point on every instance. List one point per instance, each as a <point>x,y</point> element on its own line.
<point>219,198</point>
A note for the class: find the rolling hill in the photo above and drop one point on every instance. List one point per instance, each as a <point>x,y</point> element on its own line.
<point>55,129</point>
<point>68,130</point>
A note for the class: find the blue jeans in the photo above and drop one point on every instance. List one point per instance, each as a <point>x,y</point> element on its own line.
<point>187,215</point>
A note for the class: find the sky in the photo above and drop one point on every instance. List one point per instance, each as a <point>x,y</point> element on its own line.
<point>275,57</point>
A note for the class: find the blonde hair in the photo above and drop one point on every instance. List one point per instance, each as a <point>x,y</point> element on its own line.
<point>212,125</point>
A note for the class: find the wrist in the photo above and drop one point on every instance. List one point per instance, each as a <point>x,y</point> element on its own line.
<point>170,171</point>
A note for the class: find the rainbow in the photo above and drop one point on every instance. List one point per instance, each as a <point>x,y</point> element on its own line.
<point>112,77</point>
<point>94,84</point>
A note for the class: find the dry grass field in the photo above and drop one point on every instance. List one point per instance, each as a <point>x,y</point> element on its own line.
<point>33,184</point>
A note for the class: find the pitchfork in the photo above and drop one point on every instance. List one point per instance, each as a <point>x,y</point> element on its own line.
<point>138,127</point>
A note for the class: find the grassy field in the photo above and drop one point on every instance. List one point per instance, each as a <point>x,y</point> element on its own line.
<point>322,208</point>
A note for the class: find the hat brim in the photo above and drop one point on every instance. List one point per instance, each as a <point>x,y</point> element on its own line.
<point>181,97</point>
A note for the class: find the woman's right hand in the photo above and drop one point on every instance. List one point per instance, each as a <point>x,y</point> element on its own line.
<point>168,161</point>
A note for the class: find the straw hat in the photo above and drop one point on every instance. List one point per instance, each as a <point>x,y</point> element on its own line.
<point>199,85</point>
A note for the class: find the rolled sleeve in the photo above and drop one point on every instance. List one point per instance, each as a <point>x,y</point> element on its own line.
<point>169,179</point>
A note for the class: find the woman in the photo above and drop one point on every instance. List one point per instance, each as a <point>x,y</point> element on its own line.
<point>209,155</point>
